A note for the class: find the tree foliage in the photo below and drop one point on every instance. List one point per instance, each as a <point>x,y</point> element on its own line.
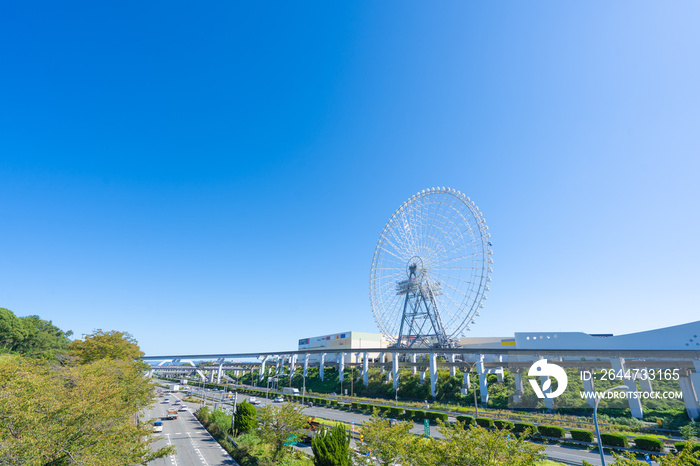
<point>31,336</point>
<point>477,446</point>
<point>280,425</point>
<point>388,444</point>
<point>331,448</point>
<point>246,418</point>
<point>685,457</point>
<point>82,414</point>
<point>106,345</point>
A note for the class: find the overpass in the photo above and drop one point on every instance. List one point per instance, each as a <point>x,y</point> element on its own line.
<point>484,361</point>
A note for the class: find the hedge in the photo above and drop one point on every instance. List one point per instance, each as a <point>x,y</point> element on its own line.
<point>520,427</point>
<point>395,412</point>
<point>551,431</point>
<point>409,414</point>
<point>614,440</point>
<point>681,445</point>
<point>582,435</point>
<point>434,416</point>
<point>503,424</point>
<point>467,420</point>
<point>484,422</point>
<point>420,415</point>
<point>648,443</point>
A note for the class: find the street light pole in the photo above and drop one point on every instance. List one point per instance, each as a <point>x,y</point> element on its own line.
<point>595,419</point>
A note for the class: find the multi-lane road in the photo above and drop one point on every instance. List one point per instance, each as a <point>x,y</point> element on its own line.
<point>195,447</point>
<point>205,451</point>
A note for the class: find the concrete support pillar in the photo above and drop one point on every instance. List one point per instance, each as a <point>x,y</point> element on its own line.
<point>689,398</point>
<point>466,382</point>
<point>292,364</point>
<point>546,382</point>
<point>262,367</point>
<point>281,365</point>
<point>321,366</point>
<point>383,361</point>
<point>341,367</point>
<point>365,369</point>
<point>589,387</point>
<point>645,384</point>
<point>518,377</point>
<point>211,376</point>
<point>695,379</point>
<point>422,376</point>
<point>414,369</point>
<point>453,369</point>
<point>433,375</point>
<point>395,367</point>
<point>306,364</point>
<point>218,373</point>
<point>635,404</point>
<point>483,386</point>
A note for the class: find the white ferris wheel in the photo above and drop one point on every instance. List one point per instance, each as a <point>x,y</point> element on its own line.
<point>430,270</point>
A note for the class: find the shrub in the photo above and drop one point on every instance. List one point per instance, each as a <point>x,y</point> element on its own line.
<point>614,440</point>
<point>582,435</point>
<point>681,445</point>
<point>331,448</point>
<point>355,406</point>
<point>484,422</point>
<point>395,412</point>
<point>420,415</point>
<point>648,443</point>
<point>503,424</point>
<point>409,414</point>
<point>520,427</point>
<point>246,418</point>
<point>434,416</point>
<point>551,431</point>
<point>467,420</point>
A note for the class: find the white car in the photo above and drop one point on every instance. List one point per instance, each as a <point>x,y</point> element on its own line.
<point>158,426</point>
<point>279,399</point>
<point>183,408</point>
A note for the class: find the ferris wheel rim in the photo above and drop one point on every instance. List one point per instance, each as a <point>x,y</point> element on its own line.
<point>461,311</point>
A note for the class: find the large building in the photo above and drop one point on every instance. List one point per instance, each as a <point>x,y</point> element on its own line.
<point>344,341</point>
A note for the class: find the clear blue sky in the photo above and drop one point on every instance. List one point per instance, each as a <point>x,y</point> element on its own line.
<point>214,177</point>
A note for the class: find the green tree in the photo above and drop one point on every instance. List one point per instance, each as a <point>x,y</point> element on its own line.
<point>281,425</point>
<point>106,345</point>
<point>476,446</point>
<point>246,418</point>
<point>31,336</point>
<point>387,444</point>
<point>83,414</point>
<point>686,457</point>
<point>331,448</point>
<point>11,330</point>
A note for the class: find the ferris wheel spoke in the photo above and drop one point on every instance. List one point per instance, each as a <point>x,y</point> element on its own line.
<point>437,236</point>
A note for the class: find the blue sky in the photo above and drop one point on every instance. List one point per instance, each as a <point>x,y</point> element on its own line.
<point>214,178</point>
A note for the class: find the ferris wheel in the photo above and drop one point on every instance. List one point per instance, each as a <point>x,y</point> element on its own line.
<point>430,270</point>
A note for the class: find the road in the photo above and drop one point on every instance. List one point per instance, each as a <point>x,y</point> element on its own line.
<point>195,447</point>
<point>566,454</point>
